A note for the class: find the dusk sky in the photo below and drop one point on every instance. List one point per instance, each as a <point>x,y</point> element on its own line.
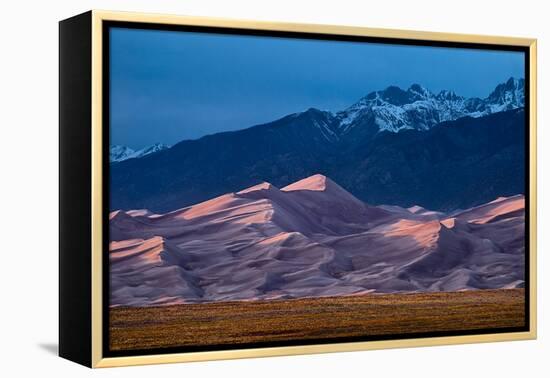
<point>169,86</point>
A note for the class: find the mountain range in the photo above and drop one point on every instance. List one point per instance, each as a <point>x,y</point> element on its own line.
<point>394,109</point>
<point>401,147</point>
<point>118,153</point>
<point>311,238</point>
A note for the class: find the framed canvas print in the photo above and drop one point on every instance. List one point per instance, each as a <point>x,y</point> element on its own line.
<point>235,189</point>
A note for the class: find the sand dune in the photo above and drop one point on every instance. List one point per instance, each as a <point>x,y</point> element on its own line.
<point>311,238</point>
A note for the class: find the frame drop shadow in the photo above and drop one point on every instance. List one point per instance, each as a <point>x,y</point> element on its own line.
<point>51,348</point>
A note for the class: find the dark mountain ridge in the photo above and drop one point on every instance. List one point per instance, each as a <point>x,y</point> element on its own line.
<point>455,164</point>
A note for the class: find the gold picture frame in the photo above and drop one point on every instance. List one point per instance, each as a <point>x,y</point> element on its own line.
<point>94,21</point>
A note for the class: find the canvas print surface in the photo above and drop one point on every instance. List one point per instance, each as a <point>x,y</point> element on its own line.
<point>277,190</point>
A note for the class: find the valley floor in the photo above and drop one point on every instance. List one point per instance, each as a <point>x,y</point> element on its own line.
<point>242,322</point>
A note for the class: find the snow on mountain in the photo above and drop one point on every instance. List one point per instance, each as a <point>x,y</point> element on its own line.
<point>149,150</point>
<point>394,109</point>
<point>119,153</point>
<point>507,96</point>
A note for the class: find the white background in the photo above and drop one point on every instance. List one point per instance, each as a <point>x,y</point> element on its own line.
<point>29,174</point>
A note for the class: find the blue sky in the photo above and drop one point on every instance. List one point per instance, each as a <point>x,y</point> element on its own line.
<point>167,86</point>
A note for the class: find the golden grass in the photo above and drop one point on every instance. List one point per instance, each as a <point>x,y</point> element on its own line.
<point>313,318</point>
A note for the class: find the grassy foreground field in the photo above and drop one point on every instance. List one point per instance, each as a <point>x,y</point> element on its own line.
<point>315,318</point>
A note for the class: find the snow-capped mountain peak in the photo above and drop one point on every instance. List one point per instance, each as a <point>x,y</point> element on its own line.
<point>508,96</point>
<point>446,95</point>
<point>394,109</point>
<point>151,149</point>
<point>420,92</point>
<point>118,153</point>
